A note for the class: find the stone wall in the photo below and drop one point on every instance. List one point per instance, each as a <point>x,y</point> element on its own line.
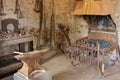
<point>30,19</point>
<point>62,12</point>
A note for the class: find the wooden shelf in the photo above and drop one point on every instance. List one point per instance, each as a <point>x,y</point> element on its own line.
<point>17,40</point>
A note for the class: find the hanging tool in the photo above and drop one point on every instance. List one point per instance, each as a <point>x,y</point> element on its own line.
<point>31,61</point>
<point>38,5</point>
<point>41,14</point>
<point>18,10</point>
<point>39,9</point>
<point>1,8</point>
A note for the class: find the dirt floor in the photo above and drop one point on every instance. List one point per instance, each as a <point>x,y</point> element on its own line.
<point>62,69</point>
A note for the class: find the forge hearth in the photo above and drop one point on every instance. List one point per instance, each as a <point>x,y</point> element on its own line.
<point>102,38</point>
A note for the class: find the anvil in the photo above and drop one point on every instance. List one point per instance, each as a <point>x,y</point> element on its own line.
<point>30,61</point>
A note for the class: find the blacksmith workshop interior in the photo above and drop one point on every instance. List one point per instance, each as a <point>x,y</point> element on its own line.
<point>59,39</point>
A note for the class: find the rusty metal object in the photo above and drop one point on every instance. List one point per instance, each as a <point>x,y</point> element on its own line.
<point>18,10</point>
<point>94,47</point>
<point>38,5</point>
<point>62,39</point>
<point>31,61</point>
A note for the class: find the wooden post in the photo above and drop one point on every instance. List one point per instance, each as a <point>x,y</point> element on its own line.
<point>98,56</point>
<point>52,27</point>
<point>103,65</point>
<point>26,46</point>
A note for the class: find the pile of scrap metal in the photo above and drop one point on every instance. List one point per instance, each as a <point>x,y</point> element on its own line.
<point>7,35</point>
<point>62,38</point>
<point>93,48</point>
<point>9,65</point>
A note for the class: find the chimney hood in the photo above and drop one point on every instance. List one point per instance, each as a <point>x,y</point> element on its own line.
<point>94,7</point>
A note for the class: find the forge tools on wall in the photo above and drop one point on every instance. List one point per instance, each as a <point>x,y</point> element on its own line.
<point>1,8</point>
<point>18,10</point>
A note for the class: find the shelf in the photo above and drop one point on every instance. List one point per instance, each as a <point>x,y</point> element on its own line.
<point>17,40</point>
